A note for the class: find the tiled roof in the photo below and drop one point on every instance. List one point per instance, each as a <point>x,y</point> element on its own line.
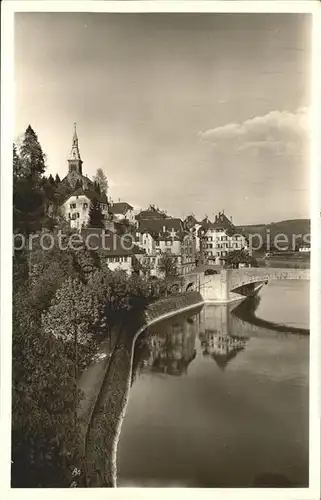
<point>151,213</point>
<point>158,225</point>
<point>190,219</point>
<point>221,222</point>
<point>111,243</point>
<point>78,176</point>
<point>121,207</point>
<point>89,193</point>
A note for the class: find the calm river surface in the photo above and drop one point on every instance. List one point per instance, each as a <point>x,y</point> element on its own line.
<point>219,402</point>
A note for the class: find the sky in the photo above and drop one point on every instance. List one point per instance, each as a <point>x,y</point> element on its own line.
<point>196,113</point>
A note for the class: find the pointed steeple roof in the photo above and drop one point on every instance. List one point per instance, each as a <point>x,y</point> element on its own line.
<point>74,153</point>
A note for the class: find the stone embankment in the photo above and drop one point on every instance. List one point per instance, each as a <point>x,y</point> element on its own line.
<point>103,407</point>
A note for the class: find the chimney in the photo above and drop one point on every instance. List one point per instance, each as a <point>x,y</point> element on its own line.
<point>231,219</point>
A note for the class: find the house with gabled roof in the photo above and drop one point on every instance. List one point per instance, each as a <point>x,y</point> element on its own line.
<point>220,237</point>
<point>166,235</point>
<point>151,213</point>
<point>75,208</point>
<point>193,225</point>
<point>119,252</point>
<point>122,211</point>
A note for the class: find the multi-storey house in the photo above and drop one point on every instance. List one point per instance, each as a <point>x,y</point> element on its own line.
<point>123,211</point>
<point>76,207</point>
<point>118,253</point>
<point>220,237</point>
<point>166,236</point>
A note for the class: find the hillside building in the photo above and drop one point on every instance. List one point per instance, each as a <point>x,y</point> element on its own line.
<point>220,237</point>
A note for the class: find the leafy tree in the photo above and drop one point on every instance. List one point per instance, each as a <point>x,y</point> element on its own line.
<point>236,257</point>
<point>44,396</point>
<point>72,317</point>
<point>32,156</point>
<point>96,218</point>
<point>101,179</point>
<point>167,266</point>
<point>97,188</point>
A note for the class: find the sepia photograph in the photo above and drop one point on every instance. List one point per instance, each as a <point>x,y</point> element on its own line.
<point>161,250</point>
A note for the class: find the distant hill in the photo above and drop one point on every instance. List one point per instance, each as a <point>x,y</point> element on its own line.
<point>290,228</point>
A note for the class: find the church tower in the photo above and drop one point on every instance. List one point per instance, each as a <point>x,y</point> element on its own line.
<point>74,160</point>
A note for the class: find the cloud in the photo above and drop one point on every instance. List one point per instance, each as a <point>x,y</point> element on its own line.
<point>281,132</point>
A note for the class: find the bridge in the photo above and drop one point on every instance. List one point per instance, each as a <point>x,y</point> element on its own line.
<point>229,285</point>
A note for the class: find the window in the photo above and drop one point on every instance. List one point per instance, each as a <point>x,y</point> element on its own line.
<point>125,259</point>
<point>168,243</point>
<point>85,205</point>
<point>78,215</point>
<point>72,205</point>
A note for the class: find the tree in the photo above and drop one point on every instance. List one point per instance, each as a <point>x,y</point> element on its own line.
<point>32,156</point>
<point>167,266</point>
<point>29,197</point>
<point>57,180</point>
<point>236,257</point>
<point>45,438</point>
<point>28,206</point>
<point>78,184</point>
<point>17,164</point>
<point>97,188</point>
<point>101,179</point>
<point>96,218</point>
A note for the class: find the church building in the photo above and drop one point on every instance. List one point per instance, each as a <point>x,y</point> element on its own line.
<point>75,167</point>
<point>76,206</point>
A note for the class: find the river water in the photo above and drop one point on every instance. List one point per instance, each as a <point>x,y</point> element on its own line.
<point>219,402</point>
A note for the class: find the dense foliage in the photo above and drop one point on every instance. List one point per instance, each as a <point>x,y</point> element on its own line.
<point>236,257</point>
<point>64,302</point>
<point>96,218</point>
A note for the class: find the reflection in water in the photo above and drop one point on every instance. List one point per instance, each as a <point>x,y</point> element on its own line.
<point>217,340</point>
<point>217,401</point>
<point>168,350</point>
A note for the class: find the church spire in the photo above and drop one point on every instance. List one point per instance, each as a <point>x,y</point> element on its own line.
<point>74,160</point>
